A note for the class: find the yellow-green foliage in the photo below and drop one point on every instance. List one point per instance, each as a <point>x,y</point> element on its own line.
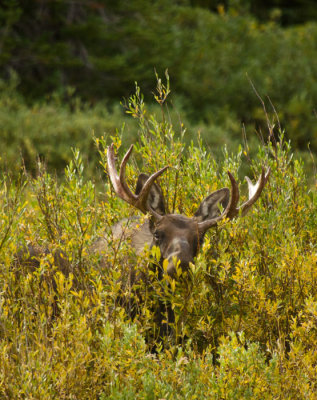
<point>245,327</point>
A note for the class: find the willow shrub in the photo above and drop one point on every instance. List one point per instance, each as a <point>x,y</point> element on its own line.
<point>245,314</point>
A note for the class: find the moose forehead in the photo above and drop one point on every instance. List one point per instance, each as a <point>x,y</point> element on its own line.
<point>179,222</point>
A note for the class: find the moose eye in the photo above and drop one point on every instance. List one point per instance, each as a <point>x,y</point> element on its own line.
<point>158,236</point>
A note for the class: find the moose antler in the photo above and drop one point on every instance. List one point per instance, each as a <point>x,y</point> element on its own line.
<point>254,191</point>
<point>232,210</point>
<point>140,201</point>
<point>121,187</point>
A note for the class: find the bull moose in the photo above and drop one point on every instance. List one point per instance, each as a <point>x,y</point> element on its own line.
<point>177,236</point>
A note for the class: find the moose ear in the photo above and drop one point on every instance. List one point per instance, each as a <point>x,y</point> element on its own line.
<point>209,207</point>
<point>155,199</point>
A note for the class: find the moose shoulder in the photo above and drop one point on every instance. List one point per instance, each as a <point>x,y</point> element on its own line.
<point>177,236</point>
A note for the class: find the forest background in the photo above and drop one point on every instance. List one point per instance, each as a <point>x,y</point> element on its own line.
<point>66,65</point>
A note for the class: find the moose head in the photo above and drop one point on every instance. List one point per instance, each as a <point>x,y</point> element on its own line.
<point>179,236</point>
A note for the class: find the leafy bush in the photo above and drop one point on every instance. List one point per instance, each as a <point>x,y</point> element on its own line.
<point>245,313</point>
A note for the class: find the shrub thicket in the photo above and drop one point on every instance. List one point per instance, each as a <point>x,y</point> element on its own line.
<point>246,312</point>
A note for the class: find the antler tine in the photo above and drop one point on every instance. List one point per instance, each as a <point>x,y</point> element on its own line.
<point>142,197</point>
<point>230,211</point>
<point>120,185</point>
<point>122,173</point>
<point>254,190</point>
